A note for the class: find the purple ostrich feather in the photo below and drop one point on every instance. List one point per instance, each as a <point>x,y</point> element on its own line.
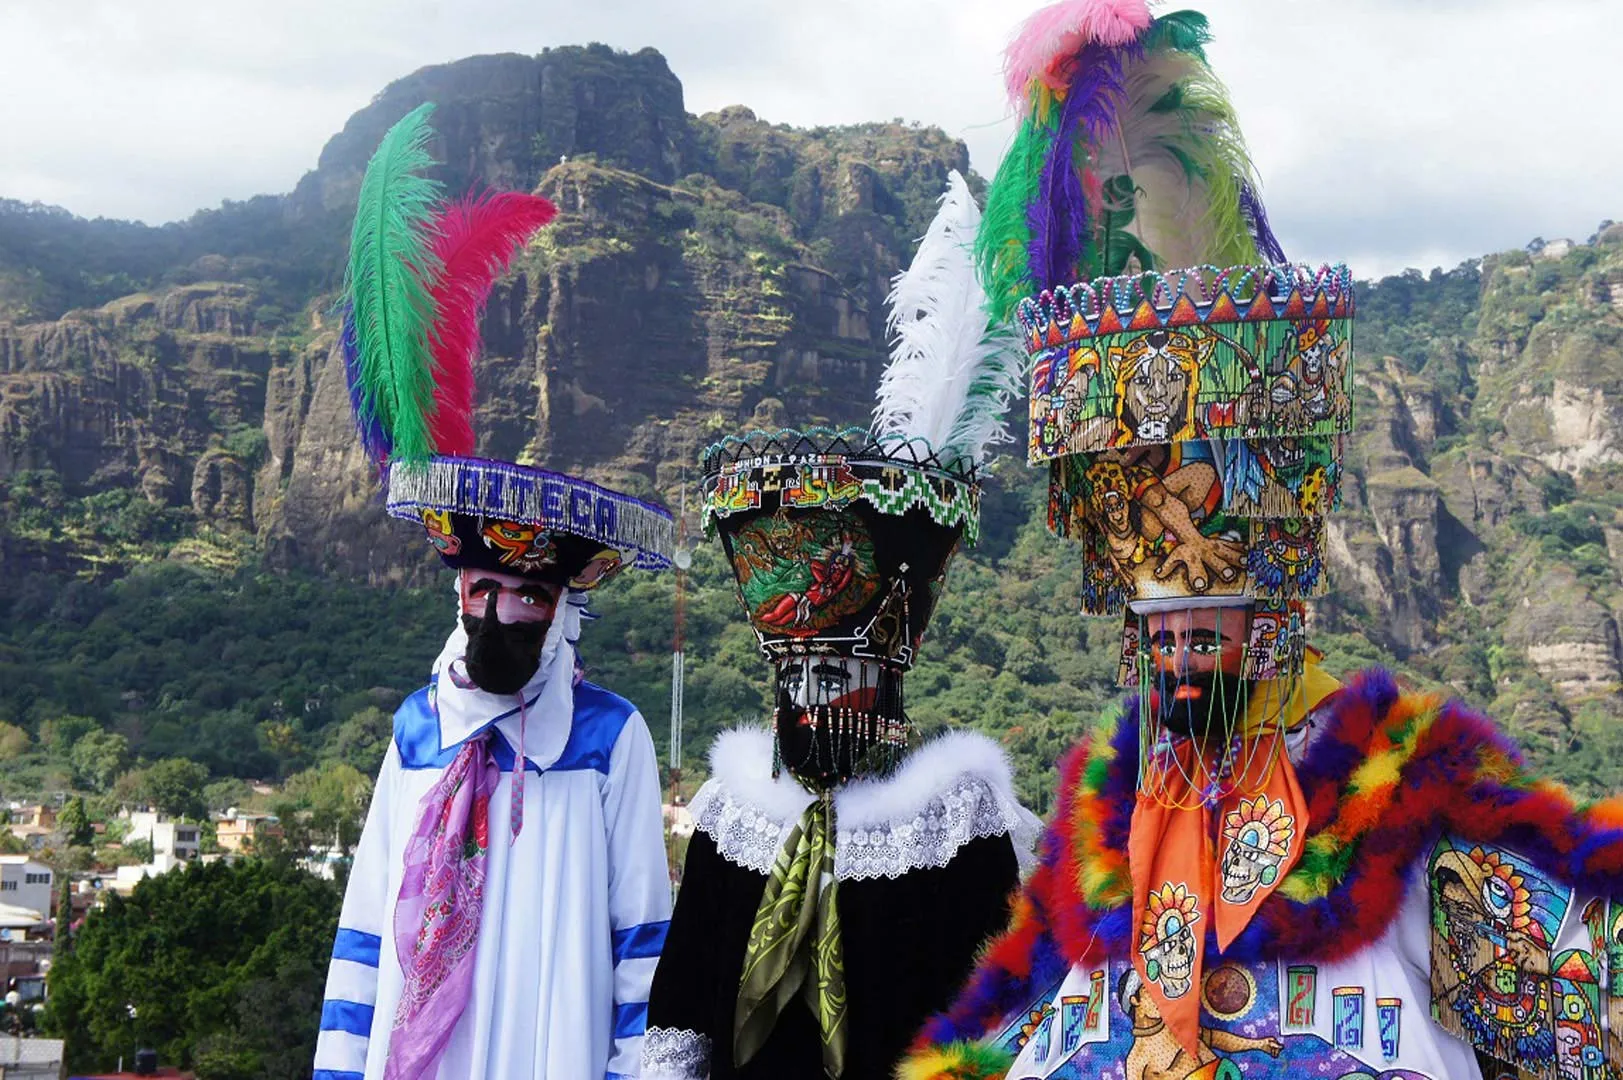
<point>1255,216</point>
<point>374,438</point>
<point>1059,214</point>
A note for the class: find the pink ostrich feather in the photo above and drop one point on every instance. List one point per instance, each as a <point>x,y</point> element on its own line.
<point>1058,31</point>
<point>475,239</point>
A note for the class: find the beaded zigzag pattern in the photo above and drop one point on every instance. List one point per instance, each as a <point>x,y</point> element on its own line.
<point>824,469</point>
<point>1199,295</point>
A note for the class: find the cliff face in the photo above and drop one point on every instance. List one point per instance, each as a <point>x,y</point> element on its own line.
<point>703,272</point>
<point>707,273</point>
<point>136,393</point>
<point>1482,536</point>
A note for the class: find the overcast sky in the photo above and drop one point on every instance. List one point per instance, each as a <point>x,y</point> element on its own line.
<point>1388,133</point>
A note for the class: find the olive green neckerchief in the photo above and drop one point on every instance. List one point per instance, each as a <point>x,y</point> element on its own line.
<point>794,944</point>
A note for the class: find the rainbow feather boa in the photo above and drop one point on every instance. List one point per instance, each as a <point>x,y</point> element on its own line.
<point>1389,773</point>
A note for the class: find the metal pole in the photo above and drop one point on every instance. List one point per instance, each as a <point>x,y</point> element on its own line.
<point>678,663</point>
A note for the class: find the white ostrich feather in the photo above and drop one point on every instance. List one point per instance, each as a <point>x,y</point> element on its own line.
<point>950,375</point>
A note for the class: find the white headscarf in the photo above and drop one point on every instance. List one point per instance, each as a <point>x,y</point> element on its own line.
<point>549,696</point>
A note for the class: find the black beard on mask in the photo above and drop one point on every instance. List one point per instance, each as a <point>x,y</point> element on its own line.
<point>807,745</point>
<point>502,657</point>
<point>1218,703</point>
<point>811,750</point>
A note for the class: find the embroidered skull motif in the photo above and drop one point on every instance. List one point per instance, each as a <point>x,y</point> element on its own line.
<point>1256,841</point>
<point>1167,941</point>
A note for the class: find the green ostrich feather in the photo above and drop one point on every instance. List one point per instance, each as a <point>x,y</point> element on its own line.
<point>392,267</point>
<point>1204,137</point>
<point>1185,31</point>
<point>1000,243</point>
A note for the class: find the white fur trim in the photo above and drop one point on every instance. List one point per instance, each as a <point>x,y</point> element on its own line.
<point>924,775</point>
<point>741,758</point>
<point>741,807</point>
<point>953,789</point>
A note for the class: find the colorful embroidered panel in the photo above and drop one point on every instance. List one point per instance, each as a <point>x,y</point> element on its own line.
<point>801,575</point>
<point>1257,1021</point>
<point>1604,921</point>
<point>1523,970</point>
<point>840,542</point>
<point>1243,353</point>
<point>1155,523</point>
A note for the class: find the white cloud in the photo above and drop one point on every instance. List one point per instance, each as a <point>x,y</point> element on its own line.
<point>1387,132</point>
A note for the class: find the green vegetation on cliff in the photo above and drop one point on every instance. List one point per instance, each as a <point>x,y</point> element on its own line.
<point>185,521</point>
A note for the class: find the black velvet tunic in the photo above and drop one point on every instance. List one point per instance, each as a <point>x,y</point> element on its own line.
<point>909,943</point>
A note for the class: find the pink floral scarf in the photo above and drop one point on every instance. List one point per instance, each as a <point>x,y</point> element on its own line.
<point>436,921</point>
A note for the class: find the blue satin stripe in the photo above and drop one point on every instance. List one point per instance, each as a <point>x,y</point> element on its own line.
<point>357,946</point>
<point>630,1020</point>
<point>640,941</point>
<point>417,736</point>
<point>346,1016</point>
<point>599,718</point>
<point>337,1074</point>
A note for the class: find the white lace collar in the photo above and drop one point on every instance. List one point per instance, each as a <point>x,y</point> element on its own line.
<point>955,788</point>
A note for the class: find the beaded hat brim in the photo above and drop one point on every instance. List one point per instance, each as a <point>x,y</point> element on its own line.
<point>515,518</point>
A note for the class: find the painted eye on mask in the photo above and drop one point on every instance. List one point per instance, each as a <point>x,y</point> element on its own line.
<point>1496,896</point>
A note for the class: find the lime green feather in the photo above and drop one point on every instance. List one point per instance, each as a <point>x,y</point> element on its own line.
<point>1176,164</point>
<point>1218,153</point>
<point>392,267</point>
<point>1000,243</point>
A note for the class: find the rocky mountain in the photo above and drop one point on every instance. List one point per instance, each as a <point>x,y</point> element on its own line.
<point>703,271</point>
<point>1484,540</point>
<point>175,391</point>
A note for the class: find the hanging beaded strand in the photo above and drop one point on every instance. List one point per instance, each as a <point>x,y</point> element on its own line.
<point>1251,730</point>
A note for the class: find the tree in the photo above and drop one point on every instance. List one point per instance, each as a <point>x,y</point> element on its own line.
<point>361,740</point>
<point>64,919</point>
<point>219,961</point>
<point>224,794</point>
<point>14,741</point>
<point>59,733</point>
<point>321,807</point>
<point>336,796</point>
<point>130,788</point>
<point>174,786</point>
<point>74,822</point>
<point>98,757</point>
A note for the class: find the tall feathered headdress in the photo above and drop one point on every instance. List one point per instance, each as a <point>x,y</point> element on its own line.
<point>1127,156</point>
<point>952,371</point>
<point>1190,394</point>
<point>420,270</point>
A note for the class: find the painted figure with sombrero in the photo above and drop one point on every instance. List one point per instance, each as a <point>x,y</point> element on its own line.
<point>1256,869</point>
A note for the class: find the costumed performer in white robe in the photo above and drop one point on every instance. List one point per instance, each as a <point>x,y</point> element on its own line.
<point>510,895</point>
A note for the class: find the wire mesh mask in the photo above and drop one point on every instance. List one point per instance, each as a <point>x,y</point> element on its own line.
<point>836,719</point>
